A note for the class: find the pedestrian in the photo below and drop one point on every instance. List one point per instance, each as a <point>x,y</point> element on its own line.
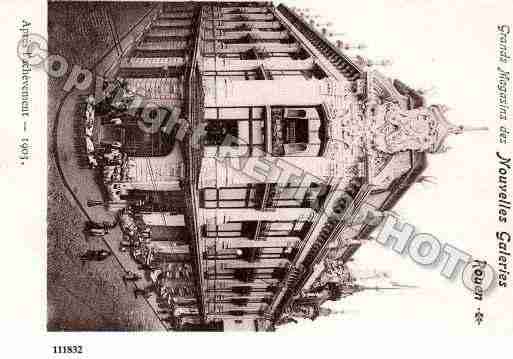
<point>125,245</point>
<point>154,274</point>
<point>89,145</point>
<point>98,232</point>
<point>90,100</point>
<point>89,130</point>
<point>116,121</point>
<point>96,229</point>
<point>145,292</point>
<point>95,255</point>
<point>93,163</point>
<point>131,277</point>
<point>89,114</point>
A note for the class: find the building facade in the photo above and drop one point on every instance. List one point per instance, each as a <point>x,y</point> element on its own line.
<point>248,159</point>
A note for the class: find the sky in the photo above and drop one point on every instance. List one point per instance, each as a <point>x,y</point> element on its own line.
<point>452,51</point>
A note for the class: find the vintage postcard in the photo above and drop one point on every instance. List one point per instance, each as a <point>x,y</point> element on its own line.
<point>289,167</point>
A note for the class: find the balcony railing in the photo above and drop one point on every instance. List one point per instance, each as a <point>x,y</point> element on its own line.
<point>343,64</point>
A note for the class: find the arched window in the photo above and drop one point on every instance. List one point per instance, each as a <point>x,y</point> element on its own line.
<point>296,131</point>
<point>138,133</point>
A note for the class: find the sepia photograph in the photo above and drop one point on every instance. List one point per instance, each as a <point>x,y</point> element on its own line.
<point>217,166</point>
<point>298,168</point>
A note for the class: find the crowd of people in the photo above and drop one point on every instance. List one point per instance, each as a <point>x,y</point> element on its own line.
<point>163,277</point>
<point>116,99</point>
<point>167,281</point>
<point>136,242</point>
<point>88,131</point>
<point>112,162</point>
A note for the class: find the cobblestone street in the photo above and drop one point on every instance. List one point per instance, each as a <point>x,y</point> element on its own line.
<point>90,296</point>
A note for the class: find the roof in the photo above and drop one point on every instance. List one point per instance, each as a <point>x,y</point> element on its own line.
<point>340,61</point>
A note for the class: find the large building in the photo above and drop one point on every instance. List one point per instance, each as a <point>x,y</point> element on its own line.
<point>242,149</point>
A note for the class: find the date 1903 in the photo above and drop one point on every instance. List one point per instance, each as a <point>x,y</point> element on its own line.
<point>24,148</point>
<point>67,349</point>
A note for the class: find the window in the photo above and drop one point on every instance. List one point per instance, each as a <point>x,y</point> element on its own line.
<point>254,196</point>
<point>233,75</point>
<point>289,196</point>
<point>137,142</point>
<point>248,229</point>
<point>218,130</point>
<point>296,131</point>
<point>224,230</point>
<point>241,127</point>
<point>282,228</point>
<point>233,197</point>
<point>287,74</point>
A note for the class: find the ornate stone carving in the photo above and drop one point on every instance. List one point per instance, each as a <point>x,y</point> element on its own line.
<point>399,130</point>
<point>420,129</point>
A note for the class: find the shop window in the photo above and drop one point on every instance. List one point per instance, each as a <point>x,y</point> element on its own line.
<point>218,130</point>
